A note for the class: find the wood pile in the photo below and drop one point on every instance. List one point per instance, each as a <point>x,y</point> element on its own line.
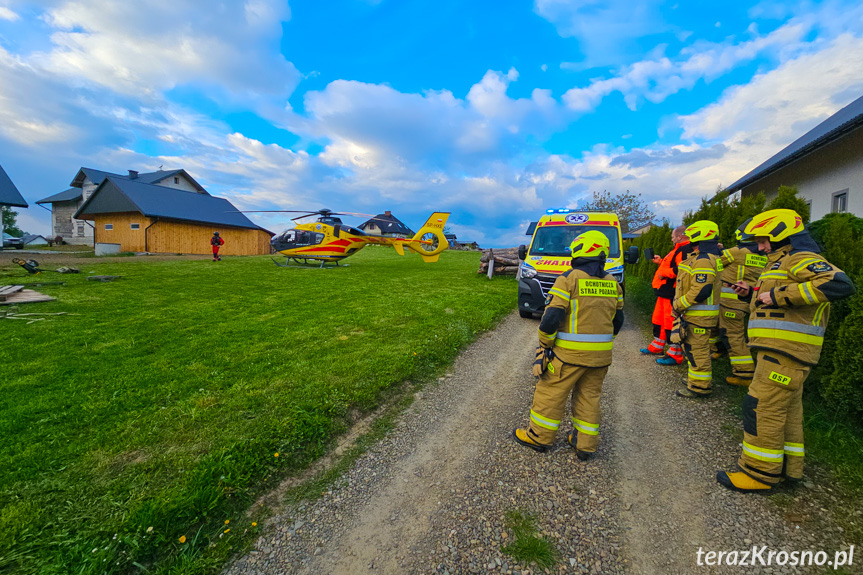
<point>506,261</point>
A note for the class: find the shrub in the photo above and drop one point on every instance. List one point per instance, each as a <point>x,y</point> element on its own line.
<point>843,389</point>
<point>789,200</point>
<point>727,214</point>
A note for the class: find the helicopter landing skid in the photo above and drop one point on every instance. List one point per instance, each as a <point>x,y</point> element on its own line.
<point>306,263</point>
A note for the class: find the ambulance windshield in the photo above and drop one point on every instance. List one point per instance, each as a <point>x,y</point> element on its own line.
<point>555,240</point>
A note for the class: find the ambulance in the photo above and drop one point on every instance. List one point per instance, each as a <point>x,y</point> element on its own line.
<point>547,255</point>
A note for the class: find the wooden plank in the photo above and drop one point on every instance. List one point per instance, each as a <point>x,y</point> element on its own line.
<point>7,291</point>
<point>26,296</point>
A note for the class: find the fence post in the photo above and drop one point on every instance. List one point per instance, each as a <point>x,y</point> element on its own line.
<point>490,263</point>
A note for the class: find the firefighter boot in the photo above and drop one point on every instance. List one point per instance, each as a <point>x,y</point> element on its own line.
<point>738,381</point>
<point>739,481</point>
<point>686,392</point>
<point>526,439</point>
<point>582,455</point>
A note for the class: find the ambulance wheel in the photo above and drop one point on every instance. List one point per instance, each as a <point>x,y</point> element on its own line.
<point>525,314</point>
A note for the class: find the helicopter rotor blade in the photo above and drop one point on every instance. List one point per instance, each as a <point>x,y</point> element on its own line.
<point>270,212</point>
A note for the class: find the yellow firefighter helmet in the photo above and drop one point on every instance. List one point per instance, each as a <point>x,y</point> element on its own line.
<point>702,230</point>
<point>775,225</point>
<point>590,244</point>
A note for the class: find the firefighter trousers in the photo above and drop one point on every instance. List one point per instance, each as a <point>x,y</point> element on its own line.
<point>732,325</point>
<point>773,419</point>
<point>549,401</point>
<point>696,348</point>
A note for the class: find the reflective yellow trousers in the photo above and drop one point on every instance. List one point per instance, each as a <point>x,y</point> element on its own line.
<point>549,401</point>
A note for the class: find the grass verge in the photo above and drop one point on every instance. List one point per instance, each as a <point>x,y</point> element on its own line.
<point>173,397</point>
<point>527,546</point>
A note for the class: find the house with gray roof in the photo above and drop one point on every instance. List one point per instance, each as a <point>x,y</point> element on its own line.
<point>825,165</point>
<point>386,224</point>
<point>151,217</point>
<point>9,195</point>
<point>84,184</point>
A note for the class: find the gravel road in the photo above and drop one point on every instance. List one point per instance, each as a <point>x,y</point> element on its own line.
<point>432,496</point>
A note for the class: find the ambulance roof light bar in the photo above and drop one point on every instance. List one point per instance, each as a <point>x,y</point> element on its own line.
<point>558,211</point>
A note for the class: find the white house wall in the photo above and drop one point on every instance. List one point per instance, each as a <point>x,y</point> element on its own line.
<point>833,168</point>
<point>182,183</point>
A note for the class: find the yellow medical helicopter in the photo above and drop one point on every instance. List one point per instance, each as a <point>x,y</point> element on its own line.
<point>328,240</point>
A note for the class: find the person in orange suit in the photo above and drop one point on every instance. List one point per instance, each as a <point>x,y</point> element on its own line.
<point>664,281</point>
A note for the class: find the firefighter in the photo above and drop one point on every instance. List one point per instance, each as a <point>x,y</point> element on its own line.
<point>696,304</point>
<point>216,242</point>
<point>584,312</point>
<point>741,262</point>
<point>789,313</point>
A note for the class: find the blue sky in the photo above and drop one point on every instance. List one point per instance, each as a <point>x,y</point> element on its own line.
<point>492,111</point>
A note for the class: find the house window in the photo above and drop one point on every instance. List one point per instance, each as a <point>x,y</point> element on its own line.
<point>176,180</point>
<point>109,226</point>
<point>80,230</point>
<point>136,226</point>
<point>840,201</point>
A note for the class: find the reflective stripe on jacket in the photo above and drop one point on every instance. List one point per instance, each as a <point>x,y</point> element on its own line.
<point>586,333</point>
<point>802,285</point>
<point>739,263</point>
<point>697,295</point>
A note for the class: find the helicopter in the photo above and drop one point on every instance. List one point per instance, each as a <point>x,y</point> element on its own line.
<point>328,240</point>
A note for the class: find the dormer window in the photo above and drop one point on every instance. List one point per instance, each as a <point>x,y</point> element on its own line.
<point>176,180</point>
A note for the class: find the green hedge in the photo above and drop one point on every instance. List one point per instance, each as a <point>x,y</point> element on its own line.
<point>838,378</point>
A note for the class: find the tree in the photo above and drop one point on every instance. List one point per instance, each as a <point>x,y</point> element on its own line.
<point>789,200</point>
<point>9,224</point>
<point>630,208</point>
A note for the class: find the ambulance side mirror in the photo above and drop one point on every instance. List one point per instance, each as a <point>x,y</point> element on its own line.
<point>631,255</point>
<point>522,252</point>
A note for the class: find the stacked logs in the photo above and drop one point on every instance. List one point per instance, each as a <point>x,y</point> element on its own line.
<point>506,261</point>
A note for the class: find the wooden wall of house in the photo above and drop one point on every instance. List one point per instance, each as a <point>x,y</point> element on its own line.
<point>173,237</point>
<point>122,233</point>
<point>187,238</point>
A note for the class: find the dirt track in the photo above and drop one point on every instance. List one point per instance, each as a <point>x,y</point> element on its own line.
<point>431,498</point>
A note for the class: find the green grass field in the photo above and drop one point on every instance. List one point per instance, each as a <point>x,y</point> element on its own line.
<point>135,429</point>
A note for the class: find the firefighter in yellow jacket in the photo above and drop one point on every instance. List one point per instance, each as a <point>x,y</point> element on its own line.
<point>789,312</point>
<point>696,304</point>
<point>743,262</point>
<point>583,314</point>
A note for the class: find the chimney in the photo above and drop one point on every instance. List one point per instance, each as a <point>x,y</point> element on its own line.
<point>388,213</point>
<point>133,174</point>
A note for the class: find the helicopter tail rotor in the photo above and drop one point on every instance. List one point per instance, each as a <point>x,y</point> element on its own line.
<point>429,241</point>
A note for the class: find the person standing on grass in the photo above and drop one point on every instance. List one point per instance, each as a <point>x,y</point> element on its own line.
<point>790,306</point>
<point>583,313</point>
<point>216,242</point>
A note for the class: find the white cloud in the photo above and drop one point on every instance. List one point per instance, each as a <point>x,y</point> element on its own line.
<point>655,79</point>
<point>7,14</point>
<point>606,30</point>
<point>232,45</point>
